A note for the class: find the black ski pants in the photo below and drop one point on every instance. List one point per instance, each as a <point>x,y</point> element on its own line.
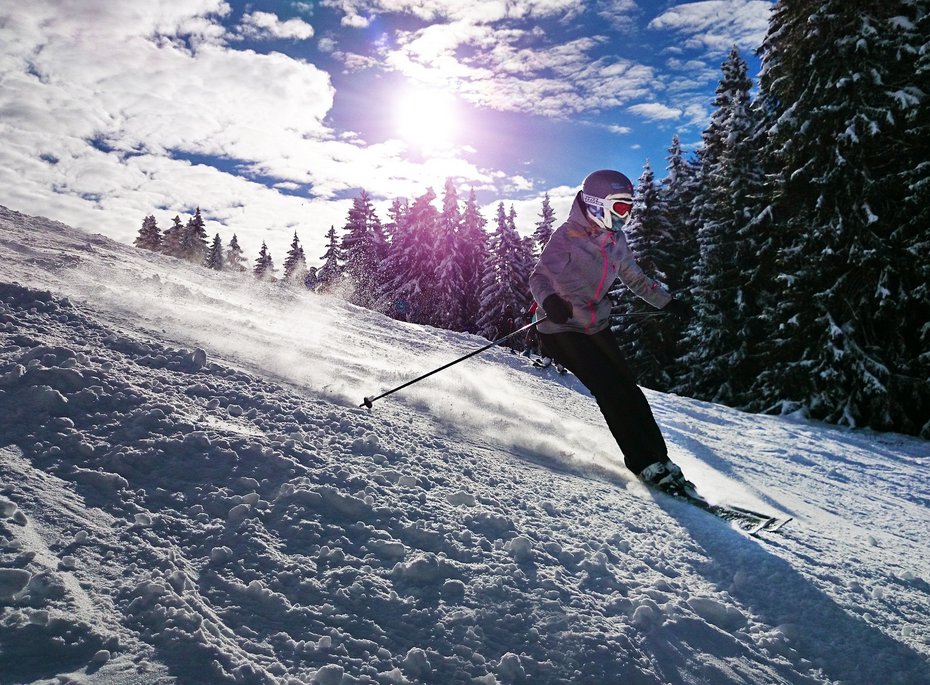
<point>596,360</point>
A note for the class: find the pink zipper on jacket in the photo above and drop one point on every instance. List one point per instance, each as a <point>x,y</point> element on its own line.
<point>600,285</point>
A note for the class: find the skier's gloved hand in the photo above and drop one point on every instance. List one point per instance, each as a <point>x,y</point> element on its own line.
<point>680,309</point>
<point>558,310</point>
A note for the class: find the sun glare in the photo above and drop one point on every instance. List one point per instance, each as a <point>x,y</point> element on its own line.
<point>426,119</point>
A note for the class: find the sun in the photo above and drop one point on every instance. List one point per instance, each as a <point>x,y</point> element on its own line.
<point>426,119</point>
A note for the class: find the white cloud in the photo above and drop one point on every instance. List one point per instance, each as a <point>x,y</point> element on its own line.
<point>135,92</point>
<point>107,194</point>
<point>654,111</point>
<point>717,25</point>
<point>519,70</point>
<point>359,13</point>
<point>327,44</point>
<point>620,130</point>
<point>697,113</point>
<point>265,25</point>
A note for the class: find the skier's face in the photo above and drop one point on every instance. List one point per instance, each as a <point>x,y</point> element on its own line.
<point>611,212</point>
<point>620,206</point>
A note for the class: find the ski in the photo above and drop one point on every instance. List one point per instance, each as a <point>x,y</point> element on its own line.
<point>774,522</point>
<point>749,520</point>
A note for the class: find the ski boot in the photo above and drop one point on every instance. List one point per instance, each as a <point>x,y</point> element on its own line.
<point>667,477</point>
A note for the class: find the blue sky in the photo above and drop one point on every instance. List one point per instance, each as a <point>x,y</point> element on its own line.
<point>271,115</point>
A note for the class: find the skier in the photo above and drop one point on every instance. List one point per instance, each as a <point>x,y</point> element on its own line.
<point>571,280</point>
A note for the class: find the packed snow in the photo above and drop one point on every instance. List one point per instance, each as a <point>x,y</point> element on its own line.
<point>189,493</point>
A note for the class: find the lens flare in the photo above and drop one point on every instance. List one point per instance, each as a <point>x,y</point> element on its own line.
<point>427,120</point>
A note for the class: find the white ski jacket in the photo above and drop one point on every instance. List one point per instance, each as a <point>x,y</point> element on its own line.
<point>579,263</point>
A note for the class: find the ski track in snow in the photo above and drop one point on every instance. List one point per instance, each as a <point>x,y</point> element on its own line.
<point>190,494</point>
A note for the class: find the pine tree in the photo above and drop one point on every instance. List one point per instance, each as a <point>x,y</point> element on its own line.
<point>359,245</point>
<point>214,259</point>
<point>149,237</point>
<point>264,265</point>
<point>650,343</point>
<point>720,341</point>
<point>678,192</point>
<point>843,89</point>
<point>234,259</point>
<point>411,268</point>
<point>523,261</point>
<point>396,216</point>
<point>544,227</point>
<point>908,244</point>
<point>474,254</point>
<point>193,245</point>
<point>382,245</point>
<point>330,274</point>
<point>505,283</point>
<point>390,261</point>
<point>171,240</point>
<point>450,281</point>
<point>295,266</point>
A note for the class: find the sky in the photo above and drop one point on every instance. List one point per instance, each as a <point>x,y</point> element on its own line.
<point>271,116</point>
<point>190,493</point>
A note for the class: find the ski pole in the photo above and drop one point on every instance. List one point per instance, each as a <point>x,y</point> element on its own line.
<point>638,315</point>
<point>369,400</point>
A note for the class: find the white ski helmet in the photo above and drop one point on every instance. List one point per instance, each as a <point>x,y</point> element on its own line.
<point>608,198</point>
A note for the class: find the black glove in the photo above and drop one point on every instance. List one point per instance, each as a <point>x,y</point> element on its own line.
<point>680,309</point>
<point>558,310</point>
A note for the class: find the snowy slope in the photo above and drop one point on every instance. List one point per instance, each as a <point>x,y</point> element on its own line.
<point>189,493</point>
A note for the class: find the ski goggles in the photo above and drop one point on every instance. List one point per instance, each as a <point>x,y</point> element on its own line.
<point>620,204</point>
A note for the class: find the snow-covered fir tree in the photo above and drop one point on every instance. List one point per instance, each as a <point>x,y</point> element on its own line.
<point>389,262</point>
<point>474,255</point>
<point>360,250</point>
<point>647,228</point>
<point>505,282</point>
<point>193,246</point>
<point>382,244</point>
<point>171,240</point>
<point>523,260</point>
<point>650,343</point>
<point>329,275</point>
<point>545,225</point>
<point>396,215</point>
<point>843,90</point>
<point>411,268</point>
<point>264,265</point>
<point>678,192</point>
<point>720,342</point>
<point>214,259</point>
<point>235,261</point>
<point>149,237</point>
<point>450,281</point>
<point>910,243</point>
<point>295,265</point>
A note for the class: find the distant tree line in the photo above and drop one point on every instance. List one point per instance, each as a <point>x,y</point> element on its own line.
<point>799,230</point>
<point>424,265</point>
